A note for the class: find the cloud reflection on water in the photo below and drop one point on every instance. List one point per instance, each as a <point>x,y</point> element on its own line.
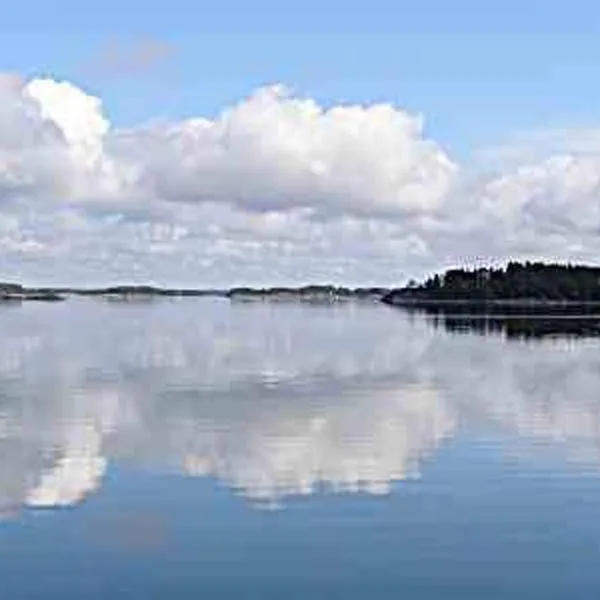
<point>272,401</point>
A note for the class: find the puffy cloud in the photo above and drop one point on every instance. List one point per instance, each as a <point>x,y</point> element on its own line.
<point>275,189</point>
<point>277,152</point>
<point>547,209</point>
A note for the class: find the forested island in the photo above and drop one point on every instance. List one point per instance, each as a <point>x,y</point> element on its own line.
<point>516,283</point>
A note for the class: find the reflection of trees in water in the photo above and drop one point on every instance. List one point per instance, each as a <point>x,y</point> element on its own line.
<point>518,327</point>
<point>512,322</point>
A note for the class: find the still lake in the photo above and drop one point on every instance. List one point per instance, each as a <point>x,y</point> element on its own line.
<point>199,448</point>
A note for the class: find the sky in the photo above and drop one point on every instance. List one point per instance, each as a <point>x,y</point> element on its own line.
<point>273,143</point>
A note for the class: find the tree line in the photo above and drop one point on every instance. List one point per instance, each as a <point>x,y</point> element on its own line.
<point>529,280</point>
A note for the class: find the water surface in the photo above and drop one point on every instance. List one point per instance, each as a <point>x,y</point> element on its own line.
<point>197,448</point>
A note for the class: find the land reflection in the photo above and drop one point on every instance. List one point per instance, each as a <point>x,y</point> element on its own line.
<point>516,321</point>
<point>520,327</point>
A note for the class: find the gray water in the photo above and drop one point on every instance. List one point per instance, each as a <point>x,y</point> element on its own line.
<point>202,449</point>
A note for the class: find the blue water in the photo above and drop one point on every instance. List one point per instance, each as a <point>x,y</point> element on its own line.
<point>202,449</point>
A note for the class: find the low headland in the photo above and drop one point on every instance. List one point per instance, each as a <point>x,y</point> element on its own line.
<point>516,288</point>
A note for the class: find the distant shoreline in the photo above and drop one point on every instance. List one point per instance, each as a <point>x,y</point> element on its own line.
<point>518,287</point>
<point>310,293</point>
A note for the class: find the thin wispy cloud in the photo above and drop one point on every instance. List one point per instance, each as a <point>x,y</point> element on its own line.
<point>130,57</point>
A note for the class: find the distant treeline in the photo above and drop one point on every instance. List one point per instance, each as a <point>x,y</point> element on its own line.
<point>518,281</point>
<point>308,292</point>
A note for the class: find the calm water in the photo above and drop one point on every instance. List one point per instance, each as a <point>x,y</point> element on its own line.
<point>201,449</point>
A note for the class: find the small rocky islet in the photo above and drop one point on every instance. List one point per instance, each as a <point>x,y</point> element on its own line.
<point>11,292</point>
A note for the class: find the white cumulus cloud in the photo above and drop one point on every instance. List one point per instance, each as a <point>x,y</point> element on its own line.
<point>275,189</point>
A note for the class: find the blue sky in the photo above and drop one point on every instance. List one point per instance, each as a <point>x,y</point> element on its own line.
<point>478,71</point>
